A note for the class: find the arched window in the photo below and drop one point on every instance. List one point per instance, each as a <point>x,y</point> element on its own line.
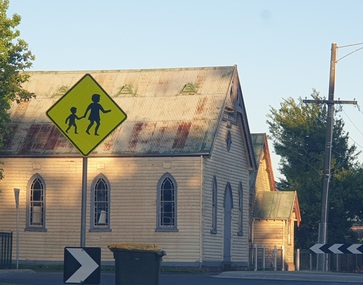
<point>227,229</point>
<point>240,209</point>
<point>35,214</point>
<point>214,205</point>
<point>100,204</point>
<point>166,203</point>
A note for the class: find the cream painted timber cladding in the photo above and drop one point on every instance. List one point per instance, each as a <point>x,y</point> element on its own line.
<point>229,167</point>
<point>274,212</point>
<point>279,233</point>
<point>263,181</point>
<point>132,180</point>
<point>269,233</point>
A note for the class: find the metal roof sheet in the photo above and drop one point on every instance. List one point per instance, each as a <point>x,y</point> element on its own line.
<point>275,205</point>
<point>169,111</point>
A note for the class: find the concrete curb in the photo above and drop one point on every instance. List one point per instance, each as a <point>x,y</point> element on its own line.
<point>295,276</point>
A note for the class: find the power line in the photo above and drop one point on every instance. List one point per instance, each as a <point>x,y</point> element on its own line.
<point>359,109</point>
<point>348,54</point>
<point>352,122</point>
<point>355,142</point>
<point>358,44</point>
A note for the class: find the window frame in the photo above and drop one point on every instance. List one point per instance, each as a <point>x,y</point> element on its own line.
<point>30,226</point>
<point>160,227</point>
<point>214,207</point>
<point>240,209</point>
<point>229,140</point>
<point>94,226</point>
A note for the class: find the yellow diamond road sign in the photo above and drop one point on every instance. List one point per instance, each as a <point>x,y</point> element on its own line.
<point>86,114</point>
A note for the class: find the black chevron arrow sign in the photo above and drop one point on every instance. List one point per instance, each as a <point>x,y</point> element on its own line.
<point>337,248</point>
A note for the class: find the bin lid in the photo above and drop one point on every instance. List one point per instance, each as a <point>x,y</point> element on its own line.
<point>136,247</point>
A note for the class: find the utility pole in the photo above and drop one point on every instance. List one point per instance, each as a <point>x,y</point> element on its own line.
<point>323,226</point>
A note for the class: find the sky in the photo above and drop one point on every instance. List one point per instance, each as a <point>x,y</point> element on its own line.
<point>282,48</point>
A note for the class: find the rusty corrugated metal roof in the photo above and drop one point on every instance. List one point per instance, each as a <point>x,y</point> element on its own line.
<point>170,111</point>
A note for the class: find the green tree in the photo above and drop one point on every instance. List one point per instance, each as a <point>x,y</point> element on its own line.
<point>298,135</point>
<point>15,57</point>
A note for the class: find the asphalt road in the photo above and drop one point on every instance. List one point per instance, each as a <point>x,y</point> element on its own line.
<point>29,277</point>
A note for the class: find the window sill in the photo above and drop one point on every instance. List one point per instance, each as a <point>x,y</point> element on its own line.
<point>30,229</point>
<point>97,230</point>
<point>166,230</point>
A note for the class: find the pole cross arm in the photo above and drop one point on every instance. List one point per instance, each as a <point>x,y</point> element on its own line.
<point>354,102</point>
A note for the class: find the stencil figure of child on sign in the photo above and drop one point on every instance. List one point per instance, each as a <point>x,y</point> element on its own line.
<point>94,117</point>
<point>71,120</point>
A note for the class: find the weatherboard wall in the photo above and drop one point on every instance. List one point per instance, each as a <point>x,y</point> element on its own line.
<point>262,181</point>
<point>279,233</point>
<point>228,167</point>
<point>133,184</point>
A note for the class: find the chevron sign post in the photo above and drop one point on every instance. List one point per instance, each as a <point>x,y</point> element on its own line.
<point>337,248</point>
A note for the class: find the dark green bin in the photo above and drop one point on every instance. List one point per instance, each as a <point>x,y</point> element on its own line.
<point>135,265</point>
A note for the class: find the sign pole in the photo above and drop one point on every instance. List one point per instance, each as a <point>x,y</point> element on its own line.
<point>84,202</point>
<point>16,193</point>
<point>78,116</point>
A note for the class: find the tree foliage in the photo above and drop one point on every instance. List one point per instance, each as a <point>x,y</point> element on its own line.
<point>298,133</point>
<point>15,57</point>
